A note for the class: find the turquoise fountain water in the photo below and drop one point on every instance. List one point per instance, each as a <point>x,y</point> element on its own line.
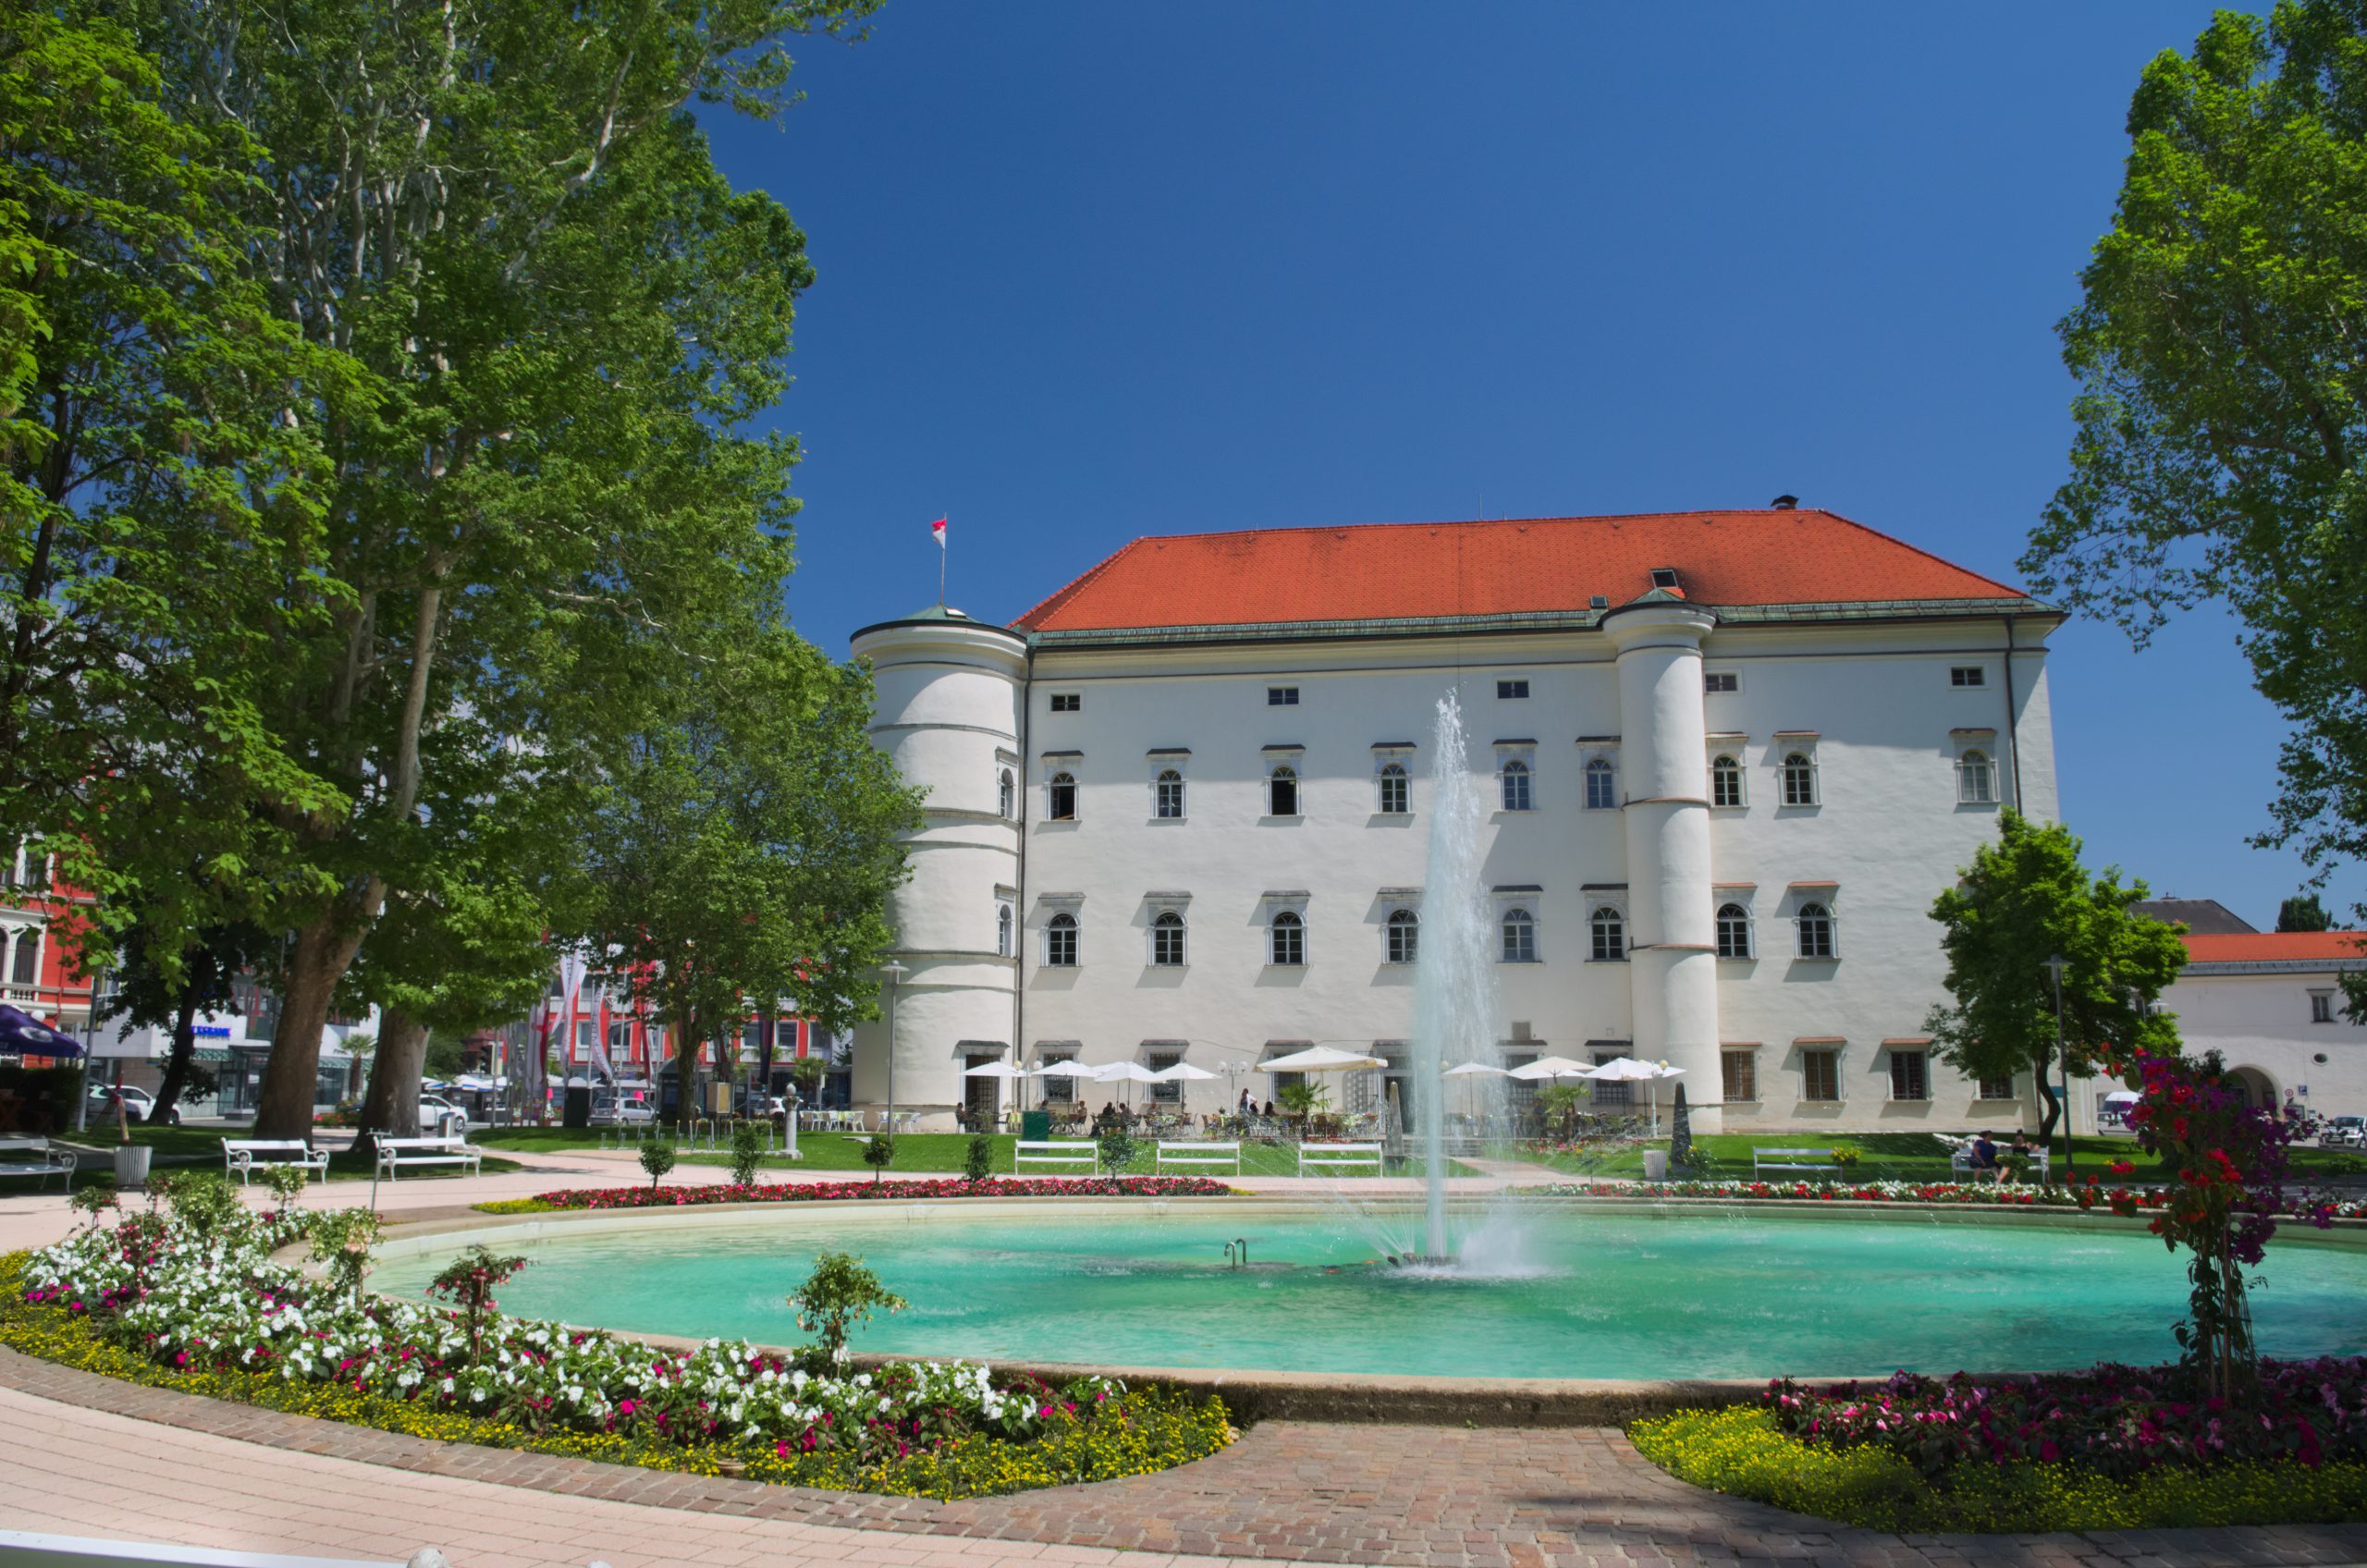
<point>1590,1294</point>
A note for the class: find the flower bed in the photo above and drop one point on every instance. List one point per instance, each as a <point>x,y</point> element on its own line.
<point>840,1192</point>
<point>202,1307</point>
<point>2311,1206</point>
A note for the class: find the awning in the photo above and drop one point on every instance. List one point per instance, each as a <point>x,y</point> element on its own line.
<point>23,1034</point>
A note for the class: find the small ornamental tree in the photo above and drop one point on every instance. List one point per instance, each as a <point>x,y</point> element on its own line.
<point>657,1159</point>
<point>879,1154</point>
<point>747,1151</point>
<point>341,1243</point>
<point>839,1296</point>
<point>2228,1160</point>
<point>979,1160</point>
<point>1117,1149</point>
<point>468,1283</point>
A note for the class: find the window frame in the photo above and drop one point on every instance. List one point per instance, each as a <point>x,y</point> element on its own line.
<point>1280,776</point>
<point>1062,779</point>
<point>1509,770</point>
<point>1603,771</point>
<point>1286,939</point>
<point>1976,777</point>
<point>1829,1057</point>
<point>1984,1088</point>
<point>1393,777</point>
<point>1727,778</point>
<point>1606,929</point>
<point>1728,1056</point>
<point>1282,696</point>
<point>25,954</point>
<point>1969,677</point>
<point>1721,682</point>
<point>1067,702</point>
<point>1517,936</point>
<point>1006,794</point>
<point>1511,687</point>
<point>1170,931</point>
<point>1913,1064</point>
<point>1745,948</point>
<point>1796,781</point>
<point>1814,927</point>
<point>1401,935</point>
<point>1167,795</point>
<point>2321,1007</point>
<point>1060,932</point>
<point>1006,929</point>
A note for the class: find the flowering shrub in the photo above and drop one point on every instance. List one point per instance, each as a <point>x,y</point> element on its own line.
<point>949,1187</point>
<point>2114,1420</point>
<point>214,1305</point>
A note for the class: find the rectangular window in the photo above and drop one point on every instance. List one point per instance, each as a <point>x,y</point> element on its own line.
<point>1821,1075</point>
<point>1967,675</point>
<point>28,966</point>
<point>1512,691</point>
<point>1165,1094</point>
<point>1059,1089</point>
<point>1995,1088</point>
<point>1068,702</point>
<point>1720,680</point>
<point>1910,1075</point>
<point>2321,1006</point>
<point>1739,1074</point>
<point>1282,696</point>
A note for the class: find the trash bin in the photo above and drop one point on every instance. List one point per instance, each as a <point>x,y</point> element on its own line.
<point>577,1112</point>
<point>1035,1125</point>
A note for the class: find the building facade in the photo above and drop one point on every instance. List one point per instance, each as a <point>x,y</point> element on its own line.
<point>2271,1004</point>
<point>1179,810</point>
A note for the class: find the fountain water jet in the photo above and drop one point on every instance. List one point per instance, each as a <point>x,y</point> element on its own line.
<point>1455,1002</point>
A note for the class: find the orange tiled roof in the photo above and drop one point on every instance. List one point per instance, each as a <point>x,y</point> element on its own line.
<point>1412,570</point>
<point>2274,947</point>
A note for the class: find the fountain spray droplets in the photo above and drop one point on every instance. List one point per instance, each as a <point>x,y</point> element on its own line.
<point>1456,1006</point>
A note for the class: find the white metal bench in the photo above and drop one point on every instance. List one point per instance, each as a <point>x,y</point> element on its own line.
<point>1196,1153</point>
<point>398,1154</point>
<point>1960,1163</point>
<point>241,1157</point>
<point>33,1549</point>
<point>1793,1160</point>
<point>1339,1157</point>
<point>1055,1151</point>
<point>37,1157</point>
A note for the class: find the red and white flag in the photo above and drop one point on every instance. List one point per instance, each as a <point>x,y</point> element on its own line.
<point>937,531</point>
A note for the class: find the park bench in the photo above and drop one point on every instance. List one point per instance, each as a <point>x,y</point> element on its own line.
<point>39,1550</point>
<point>398,1154</point>
<point>1793,1160</point>
<point>1196,1153</point>
<point>36,1156</point>
<point>241,1156</point>
<point>1338,1156</point>
<point>1960,1163</point>
<point>1055,1151</point>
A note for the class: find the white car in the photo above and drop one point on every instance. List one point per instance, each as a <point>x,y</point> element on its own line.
<point>138,1105</point>
<point>435,1108</point>
<point>611,1109</point>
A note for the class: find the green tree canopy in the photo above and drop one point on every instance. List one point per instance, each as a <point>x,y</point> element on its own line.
<point>2303,913</point>
<point>2223,411</point>
<point>2025,899</point>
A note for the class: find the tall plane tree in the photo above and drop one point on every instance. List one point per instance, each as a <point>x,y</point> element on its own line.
<point>559,318</point>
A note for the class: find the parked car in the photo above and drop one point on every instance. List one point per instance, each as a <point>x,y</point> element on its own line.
<point>138,1105</point>
<point>2340,1132</point>
<point>610,1108</point>
<point>435,1108</point>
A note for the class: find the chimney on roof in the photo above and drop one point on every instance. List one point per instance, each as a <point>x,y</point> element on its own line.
<point>1784,503</point>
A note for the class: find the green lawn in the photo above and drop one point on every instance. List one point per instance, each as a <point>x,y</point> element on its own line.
<point>916,1153</point>
<point>1906,1157</point>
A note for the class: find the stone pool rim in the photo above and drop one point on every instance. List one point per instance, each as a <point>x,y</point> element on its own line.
<point>1257,1394</point>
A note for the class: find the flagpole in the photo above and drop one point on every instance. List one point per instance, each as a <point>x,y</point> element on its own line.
<point>940,571</point>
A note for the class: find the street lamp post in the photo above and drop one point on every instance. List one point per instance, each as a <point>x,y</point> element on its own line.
<point>2054,967</point>
<point>895,973</point>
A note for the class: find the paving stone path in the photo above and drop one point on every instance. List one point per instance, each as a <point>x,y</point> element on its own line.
<point>93,1456</point>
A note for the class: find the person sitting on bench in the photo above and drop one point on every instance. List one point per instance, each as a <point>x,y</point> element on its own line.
<point>1983,1163</point>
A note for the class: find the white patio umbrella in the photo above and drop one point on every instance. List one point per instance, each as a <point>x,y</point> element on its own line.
<point>997,1069</point>
<point>1124,1072</point>
<point>1320,1058</point>
<point>1551,1067</point>
<point>1627,1070</point>
<point>1470,1069</point>
<point>1181,1072</point>
<point>1067,1066</point>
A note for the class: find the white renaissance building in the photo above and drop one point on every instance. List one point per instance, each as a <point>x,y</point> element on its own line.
<point>1177,811</point>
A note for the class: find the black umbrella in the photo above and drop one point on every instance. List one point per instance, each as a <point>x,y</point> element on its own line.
<point>27,1036</point>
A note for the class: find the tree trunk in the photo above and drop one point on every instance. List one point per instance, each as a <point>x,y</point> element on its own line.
<point>322,952</point>
<point>168,1092</point>
<point>395,1070</point>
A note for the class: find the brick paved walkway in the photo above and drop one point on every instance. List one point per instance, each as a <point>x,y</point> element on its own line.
<point>88,1457</point>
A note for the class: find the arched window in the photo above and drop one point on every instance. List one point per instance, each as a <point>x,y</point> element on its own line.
<point>1060,942</point>
<point>1608,930</point>
<point>1282,790</point>
<point>1287,940</point>
<point>1167,940</point>
<point>1976,784</point>
<point>1404,930</point>
<point>28,966</point>
<point>1733,932</point>
<point>1520,936</point>
<point>1063,808</point>
<point>1006,795</point>
<point>1515,781</point>
<point>1725,782</point>
<point>1167,795</point>
<point>1800,779</point>
<point>1002,930</point>
<point>1600,795</point>
<point>1395,796</point>
<point>1816,931</point>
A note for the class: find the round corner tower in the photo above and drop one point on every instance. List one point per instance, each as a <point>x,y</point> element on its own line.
<point>949,694</point>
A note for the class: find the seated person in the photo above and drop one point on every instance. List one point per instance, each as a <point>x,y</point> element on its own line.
<point>1985,1157</point>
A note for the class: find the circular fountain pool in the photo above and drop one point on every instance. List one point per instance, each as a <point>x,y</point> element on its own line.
<point>1584,1292</point>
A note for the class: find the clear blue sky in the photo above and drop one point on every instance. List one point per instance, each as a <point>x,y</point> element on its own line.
<point>1092,271</point>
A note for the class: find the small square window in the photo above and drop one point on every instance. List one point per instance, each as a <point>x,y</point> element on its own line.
<point>2321,1007</point>
<point>1664,577</point>
<point>1512,691</point>
<point>1967,675</point>
<point>1068,702</point>
<point>1721,681</point>
<point>1282,696</point>
<point>1995,1088</point>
